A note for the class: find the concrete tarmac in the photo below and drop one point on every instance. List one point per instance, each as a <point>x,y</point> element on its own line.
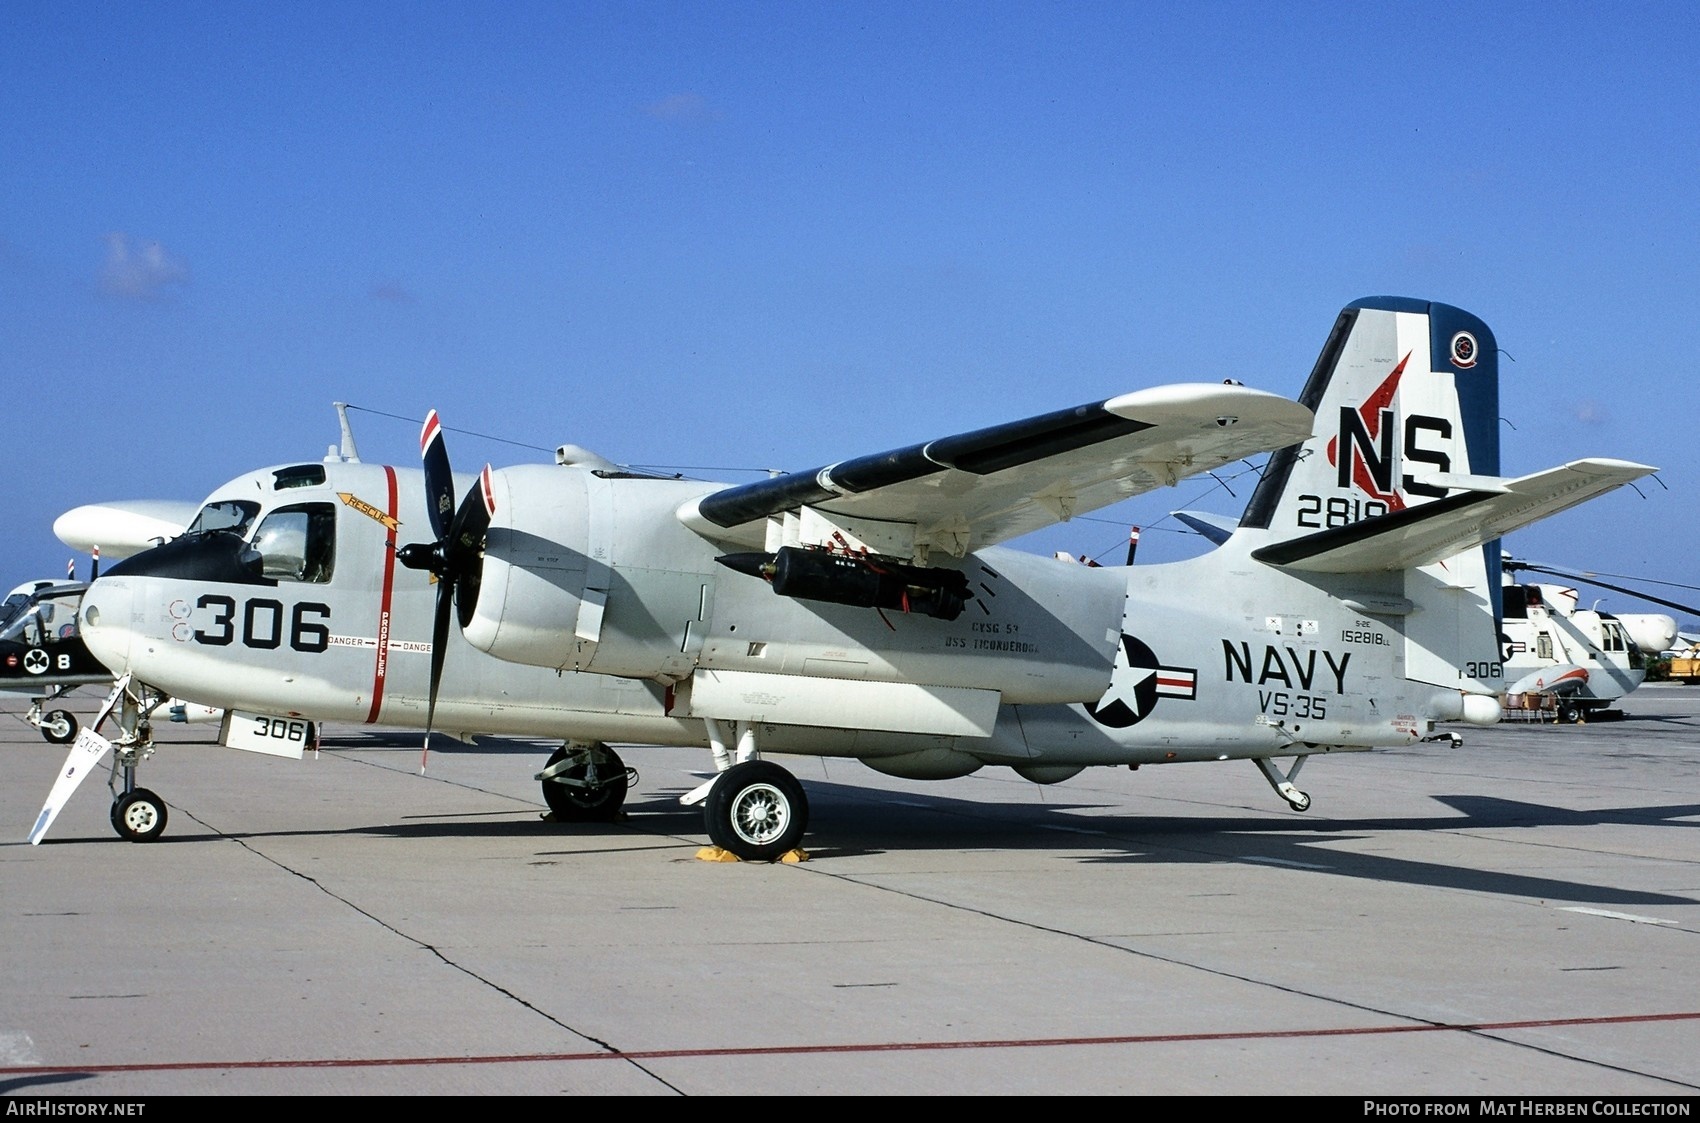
<point>1510,918</point>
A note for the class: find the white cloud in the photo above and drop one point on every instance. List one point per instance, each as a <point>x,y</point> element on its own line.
<point>140,271</point>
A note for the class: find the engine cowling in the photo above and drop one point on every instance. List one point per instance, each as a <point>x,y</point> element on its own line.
<point>586,571</point>
<point>532,581</point>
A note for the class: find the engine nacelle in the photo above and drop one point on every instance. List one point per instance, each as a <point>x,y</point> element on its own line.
<point>531,588</point>
<point>586,570</point>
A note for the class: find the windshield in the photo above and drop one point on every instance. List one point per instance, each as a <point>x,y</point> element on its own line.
<point>1616,639</point>
<point>14,605</point>
<point>40,622</point>
<point>234,515</point>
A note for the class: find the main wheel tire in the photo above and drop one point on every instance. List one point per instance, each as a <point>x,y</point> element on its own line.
<point>756,810</point>
<point>59,727</point>
<point>139,816</point>
<point>570,804</point>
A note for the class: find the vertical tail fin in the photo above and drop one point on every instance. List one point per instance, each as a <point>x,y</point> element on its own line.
<point>1406,396</point>
<point>1404,391</point>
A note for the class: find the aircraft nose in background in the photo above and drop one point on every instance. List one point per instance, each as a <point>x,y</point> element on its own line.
<point>107,625</point>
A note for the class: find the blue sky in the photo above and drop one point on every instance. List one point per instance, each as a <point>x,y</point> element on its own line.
<point>737,236</point>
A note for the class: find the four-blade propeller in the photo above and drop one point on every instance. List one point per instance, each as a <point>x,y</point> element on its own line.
<point>456,554</point>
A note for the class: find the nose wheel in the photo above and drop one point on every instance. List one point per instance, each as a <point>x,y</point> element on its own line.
<point>139,816</point>
<point>58,727</point>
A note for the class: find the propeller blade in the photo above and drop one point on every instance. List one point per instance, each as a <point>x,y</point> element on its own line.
<point>464,554</point>
<point>466,534</point>
<point>439,644</point>
<point>439,480</point>
<point>455,556</point>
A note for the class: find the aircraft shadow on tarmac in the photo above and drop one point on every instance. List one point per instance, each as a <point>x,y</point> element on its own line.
<point>850,821</point>
<point>43,1083</point>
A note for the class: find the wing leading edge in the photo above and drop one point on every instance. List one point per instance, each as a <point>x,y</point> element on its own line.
<point>990,485</point>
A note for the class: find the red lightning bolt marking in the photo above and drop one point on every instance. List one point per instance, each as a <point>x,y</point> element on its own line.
<point>1370,411</point>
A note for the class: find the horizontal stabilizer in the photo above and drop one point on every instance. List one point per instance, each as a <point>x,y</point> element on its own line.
<point>1217,528</point>
<point>1437,530</point>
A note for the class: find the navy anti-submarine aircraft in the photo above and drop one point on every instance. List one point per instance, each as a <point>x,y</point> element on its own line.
<point>865,610</point>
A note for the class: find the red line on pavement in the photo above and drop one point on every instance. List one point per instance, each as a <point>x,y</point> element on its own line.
<point>886,1047</point>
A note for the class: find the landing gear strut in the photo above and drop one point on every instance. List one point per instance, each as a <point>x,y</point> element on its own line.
<point>1283,782</point>
<point>753,809</point>
<point>585,783</point>
<point>138,815</point>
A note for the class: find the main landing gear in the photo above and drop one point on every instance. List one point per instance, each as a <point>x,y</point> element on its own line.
<point>753,809</point>
<point>757,811</point>
<point>585,783</point>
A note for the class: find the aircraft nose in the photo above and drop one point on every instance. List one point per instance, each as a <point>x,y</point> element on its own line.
<point>106,623</point>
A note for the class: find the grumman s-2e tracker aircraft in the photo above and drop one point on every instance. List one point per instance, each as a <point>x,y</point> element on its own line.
<point>865,609</point>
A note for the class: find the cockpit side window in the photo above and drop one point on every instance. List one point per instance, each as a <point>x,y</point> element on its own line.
<point>298,543</point>
<point>234,515</point>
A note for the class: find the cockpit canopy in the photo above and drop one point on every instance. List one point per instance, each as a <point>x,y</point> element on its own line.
<point>296,542</point>
<point>42,616</point>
